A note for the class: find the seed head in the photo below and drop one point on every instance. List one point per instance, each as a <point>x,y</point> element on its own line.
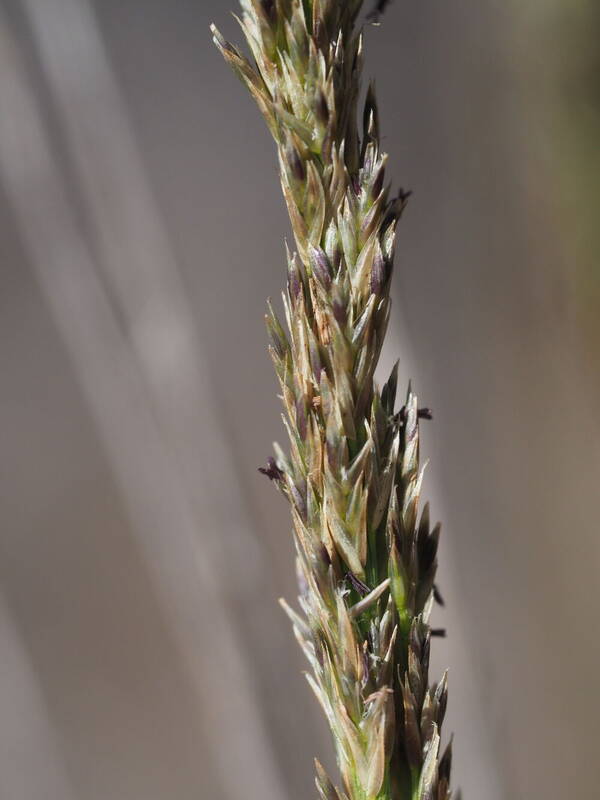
<point>366,562</point>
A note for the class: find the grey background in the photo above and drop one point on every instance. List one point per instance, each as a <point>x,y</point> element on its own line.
<point>141,555</point>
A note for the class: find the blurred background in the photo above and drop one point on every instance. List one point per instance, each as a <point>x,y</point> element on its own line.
<point>143,654</point>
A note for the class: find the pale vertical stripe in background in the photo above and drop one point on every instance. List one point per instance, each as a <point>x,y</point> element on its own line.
<point>32,764</point>
<point>153,486</point>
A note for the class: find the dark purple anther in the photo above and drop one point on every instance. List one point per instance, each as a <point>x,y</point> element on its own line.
<point>322,109</point>
<point>437,596</point>
<point>294,283</point>
<point>294,286</point>
<point>272,471</point>
<point>378,273</point>
<point>324,554</point>
<point>375,15</point>
<point>378,184</point>
<point>339,305</point>
<point>270,9</point>
<point>320,266</point>
<point>422,413</point>
<point>339,312</point>
<point>360,587</point>
<point>296,164</point>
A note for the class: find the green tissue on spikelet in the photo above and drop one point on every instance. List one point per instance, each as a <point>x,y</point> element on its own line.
<point>366,562</point>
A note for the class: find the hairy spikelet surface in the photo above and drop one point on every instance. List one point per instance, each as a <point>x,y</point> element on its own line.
<point>366,561</point>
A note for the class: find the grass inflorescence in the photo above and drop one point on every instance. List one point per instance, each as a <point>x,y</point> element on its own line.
<point>366,558</point>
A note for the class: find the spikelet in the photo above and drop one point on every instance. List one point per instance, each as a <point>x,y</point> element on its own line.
<point>366,562</point>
